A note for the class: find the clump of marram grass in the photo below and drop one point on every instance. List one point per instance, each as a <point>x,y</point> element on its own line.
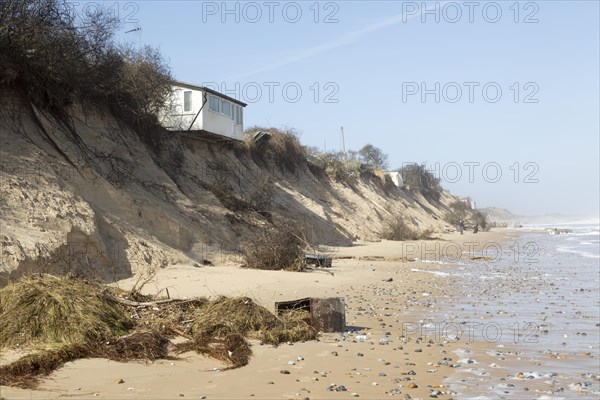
<point>293,326</point>
<point>220,329</point>
<point>243,316</point>
<point>239,315</point>
<point>48,310</point>
<point>68,318</point>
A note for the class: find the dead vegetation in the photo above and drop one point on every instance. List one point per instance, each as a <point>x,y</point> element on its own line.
<point>61,319</point>
<point>47,309</point>
<point>396,228</point>
<point>282,149</point>
<point>219,329</point>
<point>56,56</point>
<point>243,316</point>
<point>278,247</point>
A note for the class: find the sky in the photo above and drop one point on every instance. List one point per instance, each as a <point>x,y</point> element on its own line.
<point>500,100</point>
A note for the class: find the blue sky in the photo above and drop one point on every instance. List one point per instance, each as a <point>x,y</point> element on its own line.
<point>364,65</point>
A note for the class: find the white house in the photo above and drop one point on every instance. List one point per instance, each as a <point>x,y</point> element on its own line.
<point>200,109</point>
<point>396,178</point>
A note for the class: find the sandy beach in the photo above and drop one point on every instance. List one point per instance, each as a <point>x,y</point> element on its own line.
<point>387,297</point>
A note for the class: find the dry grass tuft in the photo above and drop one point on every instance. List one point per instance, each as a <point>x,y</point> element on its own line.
<point>293,326</point>
<point>47,310</point>
<point>282,149</point>
<point>220,329</point>
<point>243,316</point>
<point>233,315</point>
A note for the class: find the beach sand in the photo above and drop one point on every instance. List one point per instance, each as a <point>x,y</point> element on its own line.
<point>386,295</point>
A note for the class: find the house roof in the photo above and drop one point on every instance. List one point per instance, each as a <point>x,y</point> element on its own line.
<point>208,90</point>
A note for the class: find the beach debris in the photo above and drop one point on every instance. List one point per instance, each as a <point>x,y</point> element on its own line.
<point>66,310</point>
<point>318,260</point>
<point>79,319</point>
<point>326,314</point>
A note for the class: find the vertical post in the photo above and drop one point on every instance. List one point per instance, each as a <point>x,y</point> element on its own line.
<point>343,142</point>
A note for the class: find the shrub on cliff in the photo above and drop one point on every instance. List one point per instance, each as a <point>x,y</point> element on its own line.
<point>395,228</point>
<point>276,248</point>
<point>417,179</point>
<point>55,55</point>
<point>283,148</point>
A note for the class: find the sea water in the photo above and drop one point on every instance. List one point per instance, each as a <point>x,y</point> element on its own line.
<point>536,308</point>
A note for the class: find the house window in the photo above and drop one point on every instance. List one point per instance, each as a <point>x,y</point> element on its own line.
<point>238,115</point>
<point>226,108</point>
<point>187,101</point>
<point>214,104</point>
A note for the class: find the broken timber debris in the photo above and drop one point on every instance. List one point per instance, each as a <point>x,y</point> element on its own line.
<point>326,315</point>
<point>317,260</point>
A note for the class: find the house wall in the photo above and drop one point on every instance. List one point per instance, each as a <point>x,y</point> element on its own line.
<point>396,178</point>
<point>208,120</point>
<point>221,124</point>
<point>177,119</point>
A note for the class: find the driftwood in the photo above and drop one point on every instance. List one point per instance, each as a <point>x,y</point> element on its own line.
<point>132,303</point>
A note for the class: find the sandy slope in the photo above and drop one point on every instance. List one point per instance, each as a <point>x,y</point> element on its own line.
<point>89,195</point>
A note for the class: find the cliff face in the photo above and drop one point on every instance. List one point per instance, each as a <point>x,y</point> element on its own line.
<point>83,193</point>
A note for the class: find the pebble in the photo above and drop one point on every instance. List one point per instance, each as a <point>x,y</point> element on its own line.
<point>285,372</point>
<point>412,385</point>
